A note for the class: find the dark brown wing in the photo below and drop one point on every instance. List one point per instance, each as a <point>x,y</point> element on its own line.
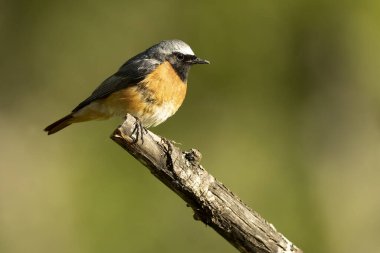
<point>131,73</point>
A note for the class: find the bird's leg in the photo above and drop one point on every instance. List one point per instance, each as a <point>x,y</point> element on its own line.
<point>138,131</point>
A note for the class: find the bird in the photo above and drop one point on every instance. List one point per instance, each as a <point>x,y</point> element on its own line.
<point>150,86</point>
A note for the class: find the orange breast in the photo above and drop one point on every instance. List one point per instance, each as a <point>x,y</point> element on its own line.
<point>165,85</point>
<point>153,100</point>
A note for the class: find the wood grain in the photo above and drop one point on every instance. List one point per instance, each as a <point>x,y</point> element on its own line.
<point>212,202</point>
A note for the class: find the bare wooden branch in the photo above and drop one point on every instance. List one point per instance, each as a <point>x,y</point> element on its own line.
<point>211,201</point>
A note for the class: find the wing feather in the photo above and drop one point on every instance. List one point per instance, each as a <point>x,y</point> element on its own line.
<point>129,74</point>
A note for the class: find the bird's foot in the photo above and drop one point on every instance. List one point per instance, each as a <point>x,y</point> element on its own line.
<point>138,132</point>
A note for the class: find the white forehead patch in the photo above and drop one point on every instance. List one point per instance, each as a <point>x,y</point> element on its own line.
<point>185,49</point>
<point>170,46</point>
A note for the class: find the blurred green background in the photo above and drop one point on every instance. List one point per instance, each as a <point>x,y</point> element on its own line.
<point>287,116</point>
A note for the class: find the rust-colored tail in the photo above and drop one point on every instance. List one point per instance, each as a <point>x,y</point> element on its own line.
<point>59,124</point>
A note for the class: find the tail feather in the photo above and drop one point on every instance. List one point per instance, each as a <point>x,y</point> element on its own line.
<point>59,124</point>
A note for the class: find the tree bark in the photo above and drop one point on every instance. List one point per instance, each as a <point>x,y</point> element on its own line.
<point>212,202</point>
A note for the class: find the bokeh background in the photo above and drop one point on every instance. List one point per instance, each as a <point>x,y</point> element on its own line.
<point>287,116</point>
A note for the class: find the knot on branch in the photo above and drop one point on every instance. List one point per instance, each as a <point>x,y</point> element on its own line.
<point>193,156</point>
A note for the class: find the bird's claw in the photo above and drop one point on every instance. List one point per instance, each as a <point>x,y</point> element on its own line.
<point>139,131</point>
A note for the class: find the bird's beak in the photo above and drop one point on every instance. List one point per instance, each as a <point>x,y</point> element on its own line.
<point>198,60</point>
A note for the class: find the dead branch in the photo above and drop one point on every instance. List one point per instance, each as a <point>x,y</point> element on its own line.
<point>212,202</point>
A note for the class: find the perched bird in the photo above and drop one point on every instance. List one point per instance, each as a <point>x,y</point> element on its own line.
<point>151,86</point>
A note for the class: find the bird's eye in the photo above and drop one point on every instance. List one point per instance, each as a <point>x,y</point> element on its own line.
<point>180,56</point>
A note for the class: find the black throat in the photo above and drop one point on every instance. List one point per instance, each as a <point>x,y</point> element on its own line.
<point>182,70</point>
